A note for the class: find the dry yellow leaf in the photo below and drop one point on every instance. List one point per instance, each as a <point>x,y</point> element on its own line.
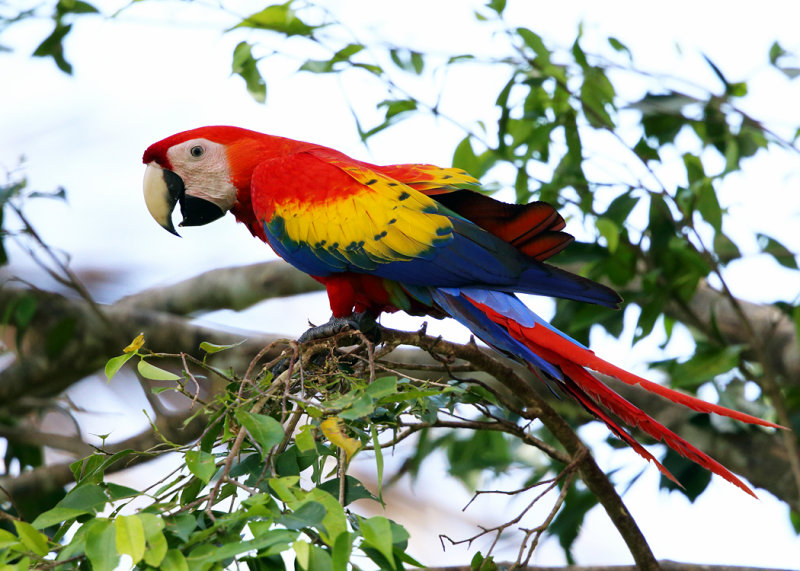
<point>136,344</point>
<point>333,429</point>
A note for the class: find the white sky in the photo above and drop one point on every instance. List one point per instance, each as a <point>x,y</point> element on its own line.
<point>165,67</point>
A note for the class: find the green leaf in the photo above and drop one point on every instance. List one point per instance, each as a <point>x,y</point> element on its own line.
<point>597,97</point>
<point>377,532</point>
<point>497,5</point>
<point>75,7</point>
<point>278,18</point>
<point>174,561</point>
<point>201,464</point>
<point>382,387</point>
<point>646,152</point>
<point>353,489</point>
<point>342,548</point>
<point>304,439</point>
<point>708,361</point>
<point>58,336</point>
<point>212,348</point>
<point>725,249</point>
<point>481,563</point>
<point>534,41</point>
<point>264,430</point>
<point>568,522</point>
<point>32,539</point>
<point>477,165</point>
<point>378,460</point>
<point>775,53</point>
<point>101,545</point>
<point>83,499</point>
<point>115,364</point>
<point>312,558</point>
<point>693,478</point>
<point>154,373</point>
<point>309,514</point>
<point>246,66</point>
<point>777,250</point>
<point>407,60</point>
<point>335,521</point>
<point>794,519</point>
<point>396,107</point>
<point>55,516</point>
<point>7,539</point>
<point>130,537</point>
<point>620,47</point>
<point>265,540</point>
<point>156,542</point>
<point>610,231</point>
<point>23,311</point>
<point>52,46</point>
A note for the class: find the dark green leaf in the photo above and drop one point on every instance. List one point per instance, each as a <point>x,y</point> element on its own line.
<point>568,522</point>
<point>794,519</point>
<point>397,106</point>
<point>620,47</point>
<point>265,540</point>
<point>483,449</point>
<point>353,489</point>
<point>724,248</point>
<point>465,158</point>
<point>246,66</point>
<point>778,251</point>
<point>693,478</point>
<point>309,514</point>
<point>497,5</point>
<point>53,47</point>
<point>775,53</point>
<point>59,335</point>
<point>407,60</point>
<point>645,152</point>
<point>534,41</point>
<point>620,208</point>
<point>708,361</point>
<point>74,7</point>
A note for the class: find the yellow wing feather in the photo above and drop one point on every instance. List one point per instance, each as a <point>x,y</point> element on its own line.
<point>375,219</point>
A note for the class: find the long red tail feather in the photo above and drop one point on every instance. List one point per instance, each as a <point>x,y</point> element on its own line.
<point>574,360</point>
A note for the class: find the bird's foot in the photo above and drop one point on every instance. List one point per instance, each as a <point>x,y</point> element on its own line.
<point>363,322</point>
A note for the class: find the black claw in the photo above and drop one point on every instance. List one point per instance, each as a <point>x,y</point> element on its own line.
<point>280,367</point>
<point>363,322</point>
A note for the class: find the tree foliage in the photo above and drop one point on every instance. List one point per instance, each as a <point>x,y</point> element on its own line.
<point>266,444</point>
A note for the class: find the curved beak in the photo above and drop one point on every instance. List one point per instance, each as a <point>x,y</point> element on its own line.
<point>161,193</point>
<point>163,189</point>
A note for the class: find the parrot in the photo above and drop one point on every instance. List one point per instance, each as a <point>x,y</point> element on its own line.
<point>412,237</point>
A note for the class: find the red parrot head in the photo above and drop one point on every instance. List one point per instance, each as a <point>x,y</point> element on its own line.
<point>206,170</point>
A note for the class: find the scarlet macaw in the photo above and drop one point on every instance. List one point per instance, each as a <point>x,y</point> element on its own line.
<point>413,237</point>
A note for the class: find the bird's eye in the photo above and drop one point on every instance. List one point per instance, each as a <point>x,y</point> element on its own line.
<point>197,151</point>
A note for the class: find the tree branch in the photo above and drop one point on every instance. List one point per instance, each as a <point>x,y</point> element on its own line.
<point>537,408</point>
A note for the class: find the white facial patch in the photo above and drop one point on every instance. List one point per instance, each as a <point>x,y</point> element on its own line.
<point>203,166</point>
